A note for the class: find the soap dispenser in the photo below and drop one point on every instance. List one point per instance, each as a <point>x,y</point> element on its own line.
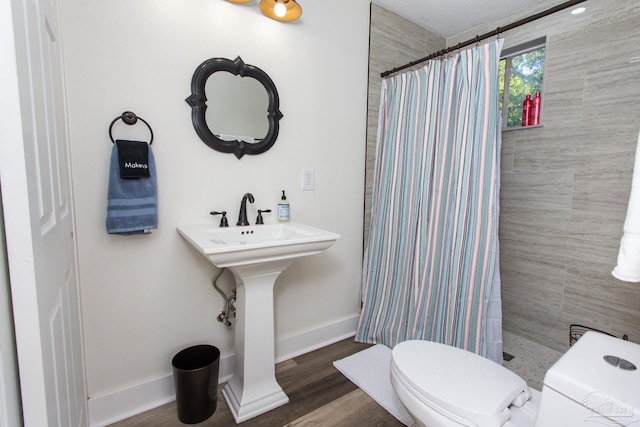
<point>283,208</point>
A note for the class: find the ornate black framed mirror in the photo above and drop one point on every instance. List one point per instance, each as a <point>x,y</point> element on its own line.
<point>243,114</point>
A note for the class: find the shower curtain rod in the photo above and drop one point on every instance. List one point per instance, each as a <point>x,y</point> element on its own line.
<point>495,32</point>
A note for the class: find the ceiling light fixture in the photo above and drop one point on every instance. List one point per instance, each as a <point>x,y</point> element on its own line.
<point>578,10</point>
<point>281,10</point>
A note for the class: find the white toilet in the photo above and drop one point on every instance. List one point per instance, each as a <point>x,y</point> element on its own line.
<point>595,383</point>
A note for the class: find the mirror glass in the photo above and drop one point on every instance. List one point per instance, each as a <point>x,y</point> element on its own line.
<point>236,108</point>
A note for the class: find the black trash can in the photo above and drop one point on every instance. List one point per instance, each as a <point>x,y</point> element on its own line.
<point>195,375</point>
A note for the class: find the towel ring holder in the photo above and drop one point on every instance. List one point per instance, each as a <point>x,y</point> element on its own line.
<point>131,119</point>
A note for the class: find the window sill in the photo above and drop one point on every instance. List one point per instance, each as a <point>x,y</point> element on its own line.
<point>508,129</point>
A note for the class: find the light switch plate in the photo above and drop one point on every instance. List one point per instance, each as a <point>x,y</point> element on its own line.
<point>308,179</point>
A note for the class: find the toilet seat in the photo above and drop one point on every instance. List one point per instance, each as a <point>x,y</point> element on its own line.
<point>463,386</point>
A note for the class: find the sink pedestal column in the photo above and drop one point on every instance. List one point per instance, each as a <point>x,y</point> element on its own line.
<point>253,389</point>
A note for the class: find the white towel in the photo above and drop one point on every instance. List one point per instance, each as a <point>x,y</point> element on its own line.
<point>628,268</point>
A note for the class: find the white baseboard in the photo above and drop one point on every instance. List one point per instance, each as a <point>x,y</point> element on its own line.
<point>112,407</point>
<point>304,342</point>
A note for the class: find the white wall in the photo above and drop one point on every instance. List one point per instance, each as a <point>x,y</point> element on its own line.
<point>146,297</point>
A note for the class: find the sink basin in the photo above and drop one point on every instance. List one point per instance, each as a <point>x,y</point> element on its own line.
<point>236,246</point>
<point>256,255</point>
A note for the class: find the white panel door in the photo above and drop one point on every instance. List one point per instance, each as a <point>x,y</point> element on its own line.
<point>36,198</point>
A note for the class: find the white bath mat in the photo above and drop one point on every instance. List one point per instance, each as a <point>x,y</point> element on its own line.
<point>370,370</point>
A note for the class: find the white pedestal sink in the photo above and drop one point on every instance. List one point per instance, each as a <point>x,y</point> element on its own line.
<point>256,255</point>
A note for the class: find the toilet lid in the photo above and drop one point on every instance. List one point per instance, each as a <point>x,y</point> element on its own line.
<point>455,381</point>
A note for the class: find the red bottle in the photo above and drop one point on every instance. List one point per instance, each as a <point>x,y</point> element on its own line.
<point>534,112</point>
<point>526,110</point>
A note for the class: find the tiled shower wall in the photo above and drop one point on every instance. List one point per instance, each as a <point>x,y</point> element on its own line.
<point>565,185</point>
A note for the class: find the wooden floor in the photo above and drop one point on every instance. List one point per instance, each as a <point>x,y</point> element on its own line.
<point>319,395</point>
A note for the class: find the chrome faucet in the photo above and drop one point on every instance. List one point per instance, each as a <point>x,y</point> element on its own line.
<point>242,217</point>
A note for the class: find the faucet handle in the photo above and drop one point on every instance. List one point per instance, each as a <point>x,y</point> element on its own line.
<point>259,220</point>
<point>223,220</point>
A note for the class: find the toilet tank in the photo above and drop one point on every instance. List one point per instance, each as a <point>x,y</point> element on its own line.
<point>596,382</point>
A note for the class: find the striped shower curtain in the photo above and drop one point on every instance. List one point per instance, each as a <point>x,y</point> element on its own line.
<point>431,264</point>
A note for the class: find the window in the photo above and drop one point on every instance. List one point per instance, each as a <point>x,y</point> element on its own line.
<point>521,73</point>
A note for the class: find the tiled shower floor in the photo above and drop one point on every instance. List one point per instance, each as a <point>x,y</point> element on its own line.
<point>531,360</point>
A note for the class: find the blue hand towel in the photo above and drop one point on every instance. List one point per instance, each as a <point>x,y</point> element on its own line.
<point>132,204</point>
